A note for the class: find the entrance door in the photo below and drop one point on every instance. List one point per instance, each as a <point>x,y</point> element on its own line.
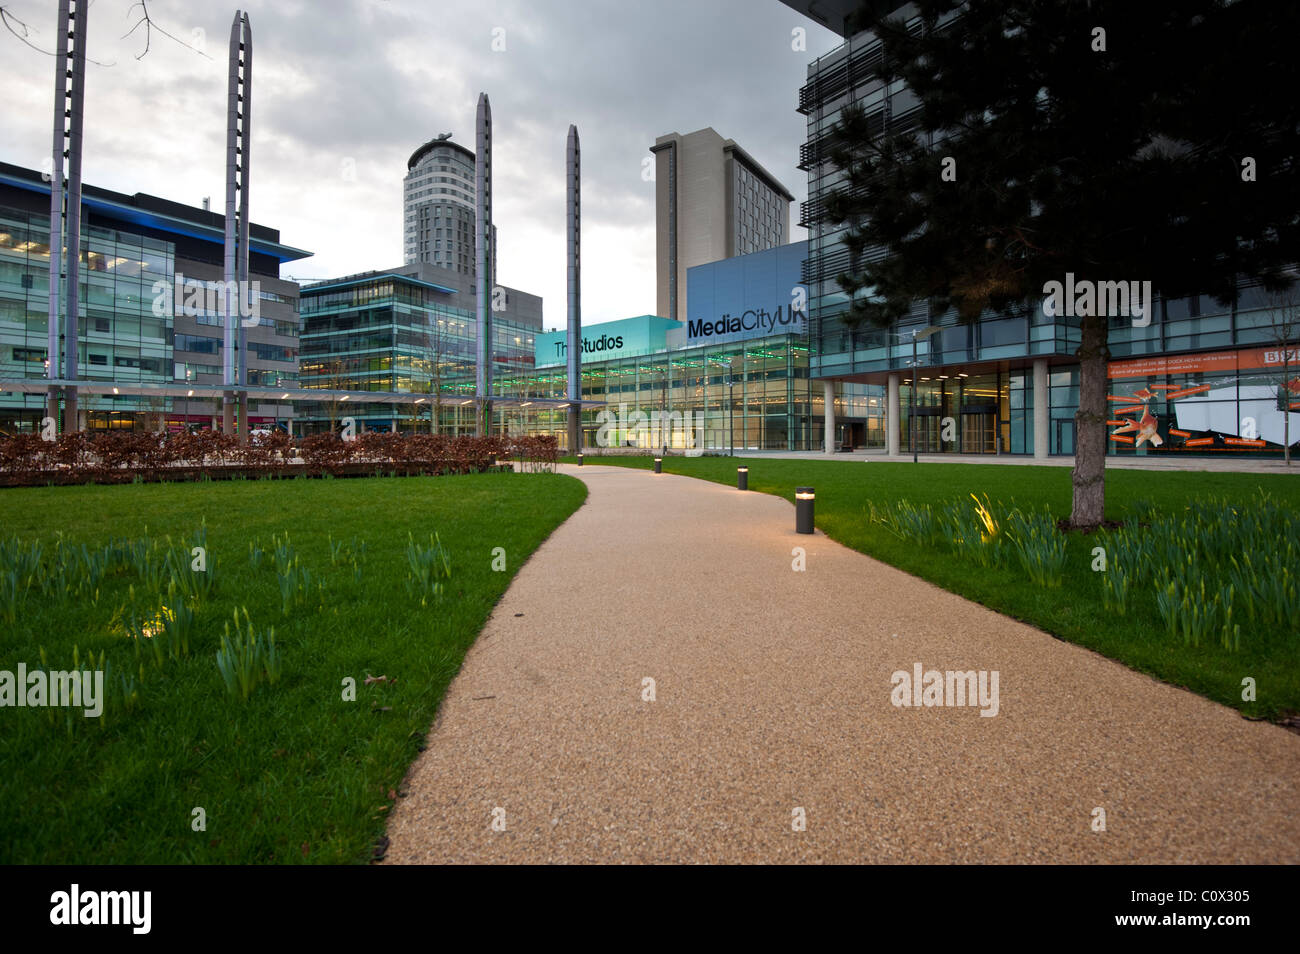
<point>1065,435</point>
<point>979,433</point>
<point>928,427</point>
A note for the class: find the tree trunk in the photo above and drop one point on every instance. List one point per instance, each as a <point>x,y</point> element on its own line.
<point>1089,475</point>
<point>435,422</point>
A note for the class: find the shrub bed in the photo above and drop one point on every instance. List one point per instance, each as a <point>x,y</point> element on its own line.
<point>128,456</point>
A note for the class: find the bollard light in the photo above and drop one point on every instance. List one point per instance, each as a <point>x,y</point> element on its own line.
<point>579,459</point>
<point>803,509</point>
<point>659,465</point>
<point>742,478</point>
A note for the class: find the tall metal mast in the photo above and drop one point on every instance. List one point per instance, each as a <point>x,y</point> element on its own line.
<point>65,204</point>
<point>483,262</point>
<point>572,178</point>
<point>239,104</point>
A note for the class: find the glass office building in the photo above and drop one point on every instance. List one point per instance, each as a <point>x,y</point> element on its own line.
<point>739,366</point>
<point>751,395</point>
<point>143,362</point>
<point>1200,378</point>
<point>121,339</point>
<point>396,332</point>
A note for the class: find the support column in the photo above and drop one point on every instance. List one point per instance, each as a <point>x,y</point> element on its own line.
<point>1042,412</point>
<point>483,258</point>
<point>573,224</point>
<point>234,273</point>
<point>65,206</point>
<point>828,390</point>
<point>891,416</point>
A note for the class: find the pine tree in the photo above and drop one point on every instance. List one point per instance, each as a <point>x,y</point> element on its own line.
<point>1112,139</point>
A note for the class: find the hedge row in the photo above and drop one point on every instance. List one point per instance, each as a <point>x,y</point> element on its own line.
<point>125,456</point>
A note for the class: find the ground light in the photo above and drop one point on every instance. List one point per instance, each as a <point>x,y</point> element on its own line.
<point>579,458</point>
<point>659,465</point>
<point>803,509</point>
<point>742,478</point>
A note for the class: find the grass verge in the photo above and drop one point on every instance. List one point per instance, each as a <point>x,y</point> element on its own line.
<point>295,773</point>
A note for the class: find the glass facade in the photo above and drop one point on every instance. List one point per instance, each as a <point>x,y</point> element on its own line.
<point>393,333</point>
<point>150,336</point>
<point>753,395</point>
<point>120,339</point>
<point>980,375</point>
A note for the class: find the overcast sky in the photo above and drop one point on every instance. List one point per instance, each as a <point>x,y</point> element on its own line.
<point>345,90</point>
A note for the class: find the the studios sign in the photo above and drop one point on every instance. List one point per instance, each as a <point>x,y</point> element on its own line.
<point>603,343</point>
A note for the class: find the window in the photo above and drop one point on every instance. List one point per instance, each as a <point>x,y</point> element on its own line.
<point>197,344</point>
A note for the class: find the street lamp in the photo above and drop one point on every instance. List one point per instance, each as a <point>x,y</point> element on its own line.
<point>916,335</point>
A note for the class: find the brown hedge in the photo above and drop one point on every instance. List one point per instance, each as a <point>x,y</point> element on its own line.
<point>124,456</point>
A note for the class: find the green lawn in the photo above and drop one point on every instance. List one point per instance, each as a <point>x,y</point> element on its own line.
<point>1075,611</point>
<point>295,773</point>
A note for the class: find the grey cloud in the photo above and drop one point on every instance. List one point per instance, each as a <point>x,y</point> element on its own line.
<point>370,80</point>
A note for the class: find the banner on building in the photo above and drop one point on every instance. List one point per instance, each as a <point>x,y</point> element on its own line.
<point>1220,401</point>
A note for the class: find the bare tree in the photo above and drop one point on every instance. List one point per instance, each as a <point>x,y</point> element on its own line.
<point>24,32</point>
<point>334,379</point>
<point>20,29</point>
<point>149,26</point>
<point>1283,329</point>
<point>435,347</point>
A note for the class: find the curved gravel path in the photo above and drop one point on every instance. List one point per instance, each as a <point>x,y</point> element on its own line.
<point>773,693</point>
